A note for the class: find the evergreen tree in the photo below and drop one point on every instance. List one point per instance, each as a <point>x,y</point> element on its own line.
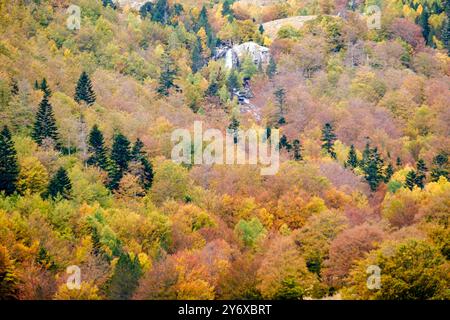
<point>9,167</point>
<point>45,124</point>
<point>120,157</point>
<point>328,139</point>
<point>161,12</point>
<point>421,173</point>
<point>168,75</point>
<point>146,10</point>
<point>399,162</point>
<point>110,3</point>
<point>410,181</point>
<point>446,28</point>
<point>143,167</point>
<point>45,88</point>
<point>280,98</point>
<point>389,173</point>
<point>440,167</point>
<point>352,159</point>
<point>36,85</point>
<point>84,91</point>
<point>365,155</point>
<point>423,22</point>
<point>60,185</point>
<point>271,68</point>
<point>14,87</point>
<point>196,55</point>
<point>234,128</point>
<point>97,150</point>
<point>125,279</point>
<point>373,169</point>
<point>297,147</point>
<point>261,29</point>
<point>226,9</point>
<point>284,143</point>
<point>233,81</point>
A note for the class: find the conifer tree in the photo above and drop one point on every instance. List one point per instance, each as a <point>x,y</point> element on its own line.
<point>352,159</point>
<point>399,162</point>
<point>14,87</point>
<point>365,155</point>
<point>280,98</point>
<point>421,173</point>
<point>271,68</point>
<point>146,10</point>
<point>168,75</point>
<point>120,157</point>
<point>284,143</point>
<point>234,128</point>
<point>446,28</point>
<point>328,139</point>
<point>161,12</point>
<point>373,169</point>
<point>410,181</point>
<point>84,90</point>
<point>9,167</point>
<point>197,59</point>
<point>440,167</point>
<point>389,173</point>
<point>97,149</point>
<point>45,88</point>
<point>297,147</point>
<point>144,169</point>
<point>60,185</point>
<point>45,124</point>
<point>261,29</point>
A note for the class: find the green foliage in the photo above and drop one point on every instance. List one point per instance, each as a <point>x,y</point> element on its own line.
<point>168,75</point>
<point>97,149</point>
<point>250,231</point>
<point>45,124</point>
<point>84,91</point>
<point>60,185</point>
<point>9,167</point>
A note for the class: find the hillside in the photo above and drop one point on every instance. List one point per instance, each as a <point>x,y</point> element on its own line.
<point>133,155</point>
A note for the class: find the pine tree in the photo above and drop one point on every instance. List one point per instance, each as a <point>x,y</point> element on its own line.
<point>399,162</point>
<point>410,181</point>
<point>59,185</point>
<point>440,167</point>
<point>45,88</point>
<point>421,173</point>
<point>284,143</point>
<point>45,124</point>
<point>97,150</point>
<point>161,12</point>
<point>14,87</point>
<point>280,97</point>
<point>9,167</point>
<point>84,90</point>
<point>297,147</point>
<point>261,29</point>
<point>328,139</point>
<point>373,169</point>
<point>389,173</point>
<point>168,75</point>
<point>271,68</point>
<point>36,85</point>
<point>120,157</point>
<point>352,159</point>
<point>146,10</point>
<point>144,169</point>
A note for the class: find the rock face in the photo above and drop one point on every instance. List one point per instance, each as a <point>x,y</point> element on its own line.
<point>133,4</point>
<point>259,54</point>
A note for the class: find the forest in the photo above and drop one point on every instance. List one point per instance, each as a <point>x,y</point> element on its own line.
<point>88,104</point>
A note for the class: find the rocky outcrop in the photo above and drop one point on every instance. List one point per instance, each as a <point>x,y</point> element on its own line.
<point>259,54</point>
<point>133,4</point>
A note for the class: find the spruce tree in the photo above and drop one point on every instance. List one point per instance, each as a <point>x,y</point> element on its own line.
<point>297,147</point>
<point>120,157</point>
<point>9,167</point>
<point>271,68</point>
<point>261,29</point>
<point>389,173</point>
<point>45,88</point>
<point>328,139</point>
<point>60,185</point>
<point>146,10</point>
<point>373,169</point>
<point>399,162</point>
<point>143,168</point>
<point>352,159</point>
<point>446,28</point>
<point>97,149</point>
<point>168,75</point>
<point>84,90</point>
<point>280,98</point>
<point>365,155</point>
<point>284,143</point>
<point>45,124</point>
<point>196,56</point>
<point>440,167</point>
<point>161,12</point>
<point>410,181</point>
<point>421,173</point>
